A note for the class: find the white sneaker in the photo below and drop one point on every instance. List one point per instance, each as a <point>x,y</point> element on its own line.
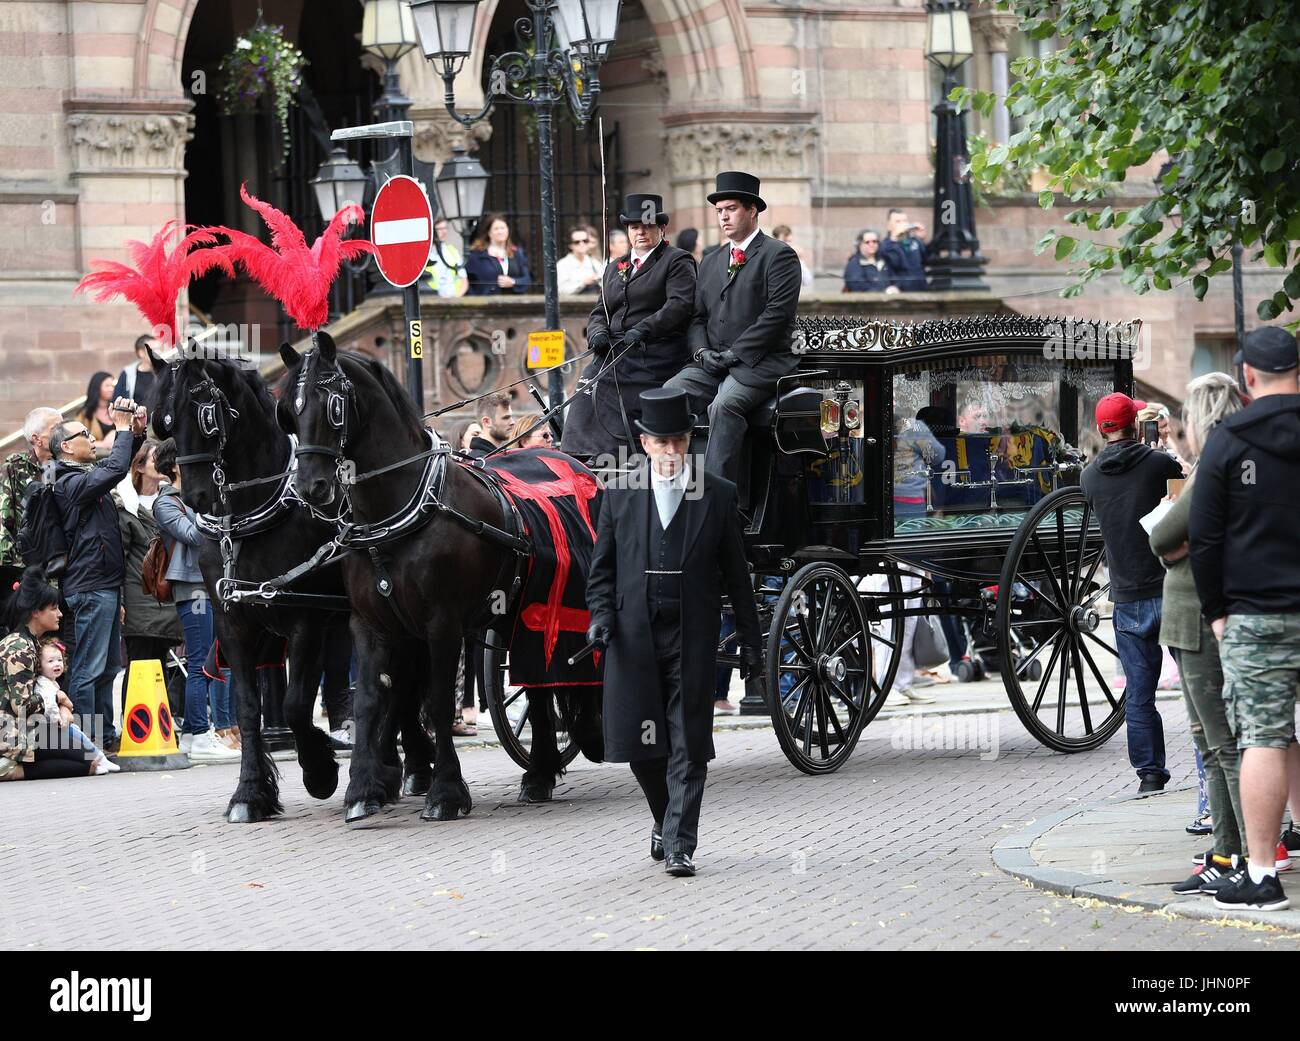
<point>206,748</point>
<point>186,741</point>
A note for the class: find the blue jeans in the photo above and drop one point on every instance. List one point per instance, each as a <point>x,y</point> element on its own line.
<point>1137,638</point>
<point>97,656</point>
<point>199,690</point>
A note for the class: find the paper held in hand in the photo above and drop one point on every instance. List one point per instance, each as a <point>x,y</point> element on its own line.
<point>1156,516</point>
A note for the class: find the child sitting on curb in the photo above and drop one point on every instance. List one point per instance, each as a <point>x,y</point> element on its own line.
<point>59,706</point>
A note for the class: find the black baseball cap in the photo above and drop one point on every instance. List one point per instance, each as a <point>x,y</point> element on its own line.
<point>1269,349</point>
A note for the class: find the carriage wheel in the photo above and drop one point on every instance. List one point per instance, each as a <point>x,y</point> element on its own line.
<point>883,595</point>
<point>508,705</point>
<point>819,668</point>
<point>1049,595</point>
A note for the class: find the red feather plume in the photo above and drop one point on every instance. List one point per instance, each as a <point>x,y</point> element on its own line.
<point>158,278</point>
<point>296,275</point>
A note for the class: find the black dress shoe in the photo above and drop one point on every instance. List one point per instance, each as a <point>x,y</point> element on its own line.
<point>1151,783</point>
<point>680,865</point>
<point>656,844</point>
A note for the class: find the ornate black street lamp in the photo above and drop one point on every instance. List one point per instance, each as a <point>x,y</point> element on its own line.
<point>562,44</point>
<point>388,32</point>
<point>953,258</point>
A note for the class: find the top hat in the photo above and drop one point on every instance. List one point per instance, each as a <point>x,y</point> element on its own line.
<point>732,184</point>
<point>665,412</point>
<point>637,208</point>
<point>1269,349</point>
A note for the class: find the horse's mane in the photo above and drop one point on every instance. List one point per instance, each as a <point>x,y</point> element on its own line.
<point>393,390</point>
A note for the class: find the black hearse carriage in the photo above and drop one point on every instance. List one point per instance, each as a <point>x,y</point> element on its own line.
<point>933,469</point>
<point>920,469</point>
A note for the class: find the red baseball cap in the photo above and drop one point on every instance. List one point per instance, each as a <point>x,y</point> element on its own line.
<point>1117,412</point>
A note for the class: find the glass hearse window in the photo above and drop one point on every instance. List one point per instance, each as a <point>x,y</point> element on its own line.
<point>976,439</point>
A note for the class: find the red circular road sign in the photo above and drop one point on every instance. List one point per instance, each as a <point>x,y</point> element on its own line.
<point>139,723</point>
<point>401,227</point>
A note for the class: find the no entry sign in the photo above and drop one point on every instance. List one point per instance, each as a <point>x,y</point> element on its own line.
<point>401,227</point>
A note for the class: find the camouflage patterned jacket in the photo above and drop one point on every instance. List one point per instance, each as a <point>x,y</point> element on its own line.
<point>20,469</point>
<point>19,700</point>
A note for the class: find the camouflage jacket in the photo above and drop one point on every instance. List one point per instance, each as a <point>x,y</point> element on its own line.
<point>20,469</point>
<point>20,702</point>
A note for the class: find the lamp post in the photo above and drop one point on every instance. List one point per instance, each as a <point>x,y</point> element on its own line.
<point>562,44</point>
<point>388,32</point>
<point>953,257</point>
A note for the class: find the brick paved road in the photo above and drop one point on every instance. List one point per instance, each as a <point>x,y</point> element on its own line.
<point>893,851</point>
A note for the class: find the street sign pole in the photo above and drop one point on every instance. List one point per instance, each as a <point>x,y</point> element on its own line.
<point>401,132</point>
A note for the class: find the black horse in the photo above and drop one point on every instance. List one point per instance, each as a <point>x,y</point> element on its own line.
<point>223,420</point>
<point>414,595</point>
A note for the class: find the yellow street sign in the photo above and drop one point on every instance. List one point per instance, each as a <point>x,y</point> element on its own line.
<point>545,349</point>
<point>415,336</point>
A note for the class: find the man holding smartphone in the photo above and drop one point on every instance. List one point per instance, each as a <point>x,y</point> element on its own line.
<point>1123,484</point>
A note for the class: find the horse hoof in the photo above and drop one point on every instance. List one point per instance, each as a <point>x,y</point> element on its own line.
<point>443,811</point>
<point>417,784</point>
<point>320,784</point>
<point>242,813</point>
<point>362,810</point>
<point>535,793</point>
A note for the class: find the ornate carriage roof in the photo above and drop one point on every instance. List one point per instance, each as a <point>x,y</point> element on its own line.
<point>1058,337</point>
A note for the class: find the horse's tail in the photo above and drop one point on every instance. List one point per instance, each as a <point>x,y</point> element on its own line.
<point>580,712</point>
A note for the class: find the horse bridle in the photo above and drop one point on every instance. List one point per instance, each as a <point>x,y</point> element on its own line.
<point>213,415</point>
<point>338,389</point>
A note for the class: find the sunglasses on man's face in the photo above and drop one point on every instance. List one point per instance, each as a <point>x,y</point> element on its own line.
<point>79,433</point>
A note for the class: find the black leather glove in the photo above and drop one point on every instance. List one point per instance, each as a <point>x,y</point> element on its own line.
<point>751,662</point>
<point>598,634</point>
<point>634,337</point>
<point>599,342</point>
<point>711,362</point>
<point>729,358</point>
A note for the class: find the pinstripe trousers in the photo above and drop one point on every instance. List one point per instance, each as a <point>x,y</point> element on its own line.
<point>673,785</point>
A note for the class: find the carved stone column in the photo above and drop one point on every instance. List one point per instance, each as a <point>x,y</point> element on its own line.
<point>436,134</point>
<point>996,29</point>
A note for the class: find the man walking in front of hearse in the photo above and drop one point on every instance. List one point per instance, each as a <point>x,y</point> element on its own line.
<point>668,545</point>
<point>740,337</point>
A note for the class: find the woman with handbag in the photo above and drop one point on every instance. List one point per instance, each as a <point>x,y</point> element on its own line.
<point>151,629</point>
<point>923,644</point>
<point>176,521</point>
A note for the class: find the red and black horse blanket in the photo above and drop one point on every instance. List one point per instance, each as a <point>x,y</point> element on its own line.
<point>559,501</point>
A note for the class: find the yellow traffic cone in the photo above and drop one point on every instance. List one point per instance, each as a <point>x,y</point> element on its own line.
<point>148,733</point>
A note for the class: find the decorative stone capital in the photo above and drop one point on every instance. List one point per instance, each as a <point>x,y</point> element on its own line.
<point>996,29</point>
<point>126,140</point>
<point>436,136</point>
<point>771,150</point>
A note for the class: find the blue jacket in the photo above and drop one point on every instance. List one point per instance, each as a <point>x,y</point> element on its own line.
<point>864,276</point>
<point>176,521</point>
<point>483,269</point>
<point>905,259</point>
<point>85,499</point>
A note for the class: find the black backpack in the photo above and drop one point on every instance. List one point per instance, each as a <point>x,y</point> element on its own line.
<point>41,538</point>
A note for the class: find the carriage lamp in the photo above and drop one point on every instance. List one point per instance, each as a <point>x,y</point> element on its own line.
<point>853,416</point>
<point>830,417</point>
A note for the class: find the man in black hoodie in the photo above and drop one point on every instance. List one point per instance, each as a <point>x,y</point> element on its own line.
<point>1123,484</point>
<point>92,582</point>
<point>1246,561</point>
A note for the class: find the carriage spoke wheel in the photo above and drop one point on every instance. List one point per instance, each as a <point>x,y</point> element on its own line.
<point>819,668</point>
<point>1058,653</point>
<point>509,708</point>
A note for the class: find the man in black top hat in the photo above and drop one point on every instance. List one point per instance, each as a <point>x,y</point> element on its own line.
<point>637,331</point>
<point>740,338</point>
<point>668,545</point>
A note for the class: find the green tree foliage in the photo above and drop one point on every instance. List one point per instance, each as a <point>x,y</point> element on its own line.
<point>1212,84</point>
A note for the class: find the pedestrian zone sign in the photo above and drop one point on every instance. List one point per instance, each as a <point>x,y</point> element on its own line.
<point>545,349</point>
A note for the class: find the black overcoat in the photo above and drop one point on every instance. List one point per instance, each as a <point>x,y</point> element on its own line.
<point>751,312</point>
<point>713,562</point>
<point>659,300</point>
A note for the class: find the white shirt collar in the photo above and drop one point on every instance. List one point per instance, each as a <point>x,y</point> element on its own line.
<point>680,479</point>
<point>641,256</point>
<point>742,246</point>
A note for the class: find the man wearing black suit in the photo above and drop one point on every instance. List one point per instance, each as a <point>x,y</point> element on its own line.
<point>637,331</point>
<point>740,338</point>
<point>668,545</point>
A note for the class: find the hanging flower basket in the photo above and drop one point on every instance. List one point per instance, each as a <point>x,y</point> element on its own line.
<point>262,63</point>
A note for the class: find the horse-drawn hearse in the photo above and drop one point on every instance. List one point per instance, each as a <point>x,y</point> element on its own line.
<point>923,469</point>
